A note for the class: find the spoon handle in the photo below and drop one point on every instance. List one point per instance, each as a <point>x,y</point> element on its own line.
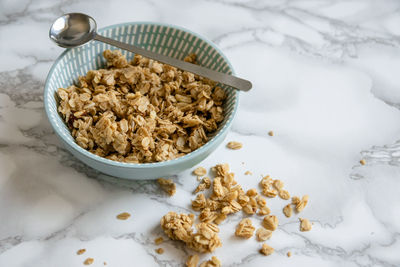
<point>230,80</point>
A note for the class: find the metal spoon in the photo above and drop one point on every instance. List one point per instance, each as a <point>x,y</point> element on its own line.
<point>75,29</point>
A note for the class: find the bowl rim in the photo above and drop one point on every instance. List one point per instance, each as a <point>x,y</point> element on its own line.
<point>114,163</point>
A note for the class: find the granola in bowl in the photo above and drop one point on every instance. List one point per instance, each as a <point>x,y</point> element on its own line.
<point>141,111</point>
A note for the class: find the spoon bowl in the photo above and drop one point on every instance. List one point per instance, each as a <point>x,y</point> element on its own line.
<point>72,30</point>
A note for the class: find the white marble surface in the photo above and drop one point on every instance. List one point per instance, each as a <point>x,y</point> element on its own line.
<point>326,80</point>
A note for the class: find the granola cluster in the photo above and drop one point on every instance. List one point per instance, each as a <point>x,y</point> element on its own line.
<point>179,227</point>
<point>167,185</point>
<point>141,111</point>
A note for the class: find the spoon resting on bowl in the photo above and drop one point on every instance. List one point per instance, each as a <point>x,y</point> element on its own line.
<point>75,29</point>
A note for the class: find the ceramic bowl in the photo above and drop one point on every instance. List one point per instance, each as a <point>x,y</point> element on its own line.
<point>161,38</point>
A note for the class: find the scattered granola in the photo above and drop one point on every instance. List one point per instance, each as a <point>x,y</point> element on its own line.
<point>305,225</point>
<point>287,210</point>
<point>160,250</point>
<point>245,229</point>
<point>81,251</point>
<point>214,262</point>
<point>270,222</point>
<point>141,111</point>
<point>289,254</point>
<point>252,202</point>
<point>200,171</point>
<point>227,197</point>
<point>158,240</point>
<point>363,162</point>
<point>88,261</point>
<point>167,185</point>
<point>248,173</point>
<point>234,145</point>
<point>278,184</point>
<point>263,234</point>
<point>192,261</point>
<point>266,250</point>
<point>123,216</point>
<point>271,133</point>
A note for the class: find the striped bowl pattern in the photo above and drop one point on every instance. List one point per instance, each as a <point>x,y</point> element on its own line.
<point>161,38</point>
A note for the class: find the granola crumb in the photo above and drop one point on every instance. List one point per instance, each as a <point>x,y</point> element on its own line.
<point>123,216</point>
<point>234,145</point>
<point>160,250</point>
<point>295,200</point>
<point>263,234</point>
<point>248,173</point>
<point>270,222</point>
<point>245,229</point>
<point>199,203</point>
<point>192,261</point>
<point>271,133</point>
<point>363,162</point>
<point>264,211</point>
<point>200,171</point>
<point>88,261</point>
<point>305,225</point>
<point>167,185</point>
<point>158,240</point>
<point>266,250</point>
<point>81,251</point>
<point>251,192</point>
<point>214,262</point>
<point>104,263</point>
<point>287,210</point>
<point>220,218</point>
<point>278,184</point>
<point>301,204</point>
<point>289,254</point>
<point>204,184</point>
<point>284,194</point>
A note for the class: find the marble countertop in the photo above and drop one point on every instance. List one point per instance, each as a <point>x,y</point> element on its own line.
<point>326,81</point>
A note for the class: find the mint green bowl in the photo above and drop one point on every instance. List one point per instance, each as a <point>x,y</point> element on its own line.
<point>162,38</point>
